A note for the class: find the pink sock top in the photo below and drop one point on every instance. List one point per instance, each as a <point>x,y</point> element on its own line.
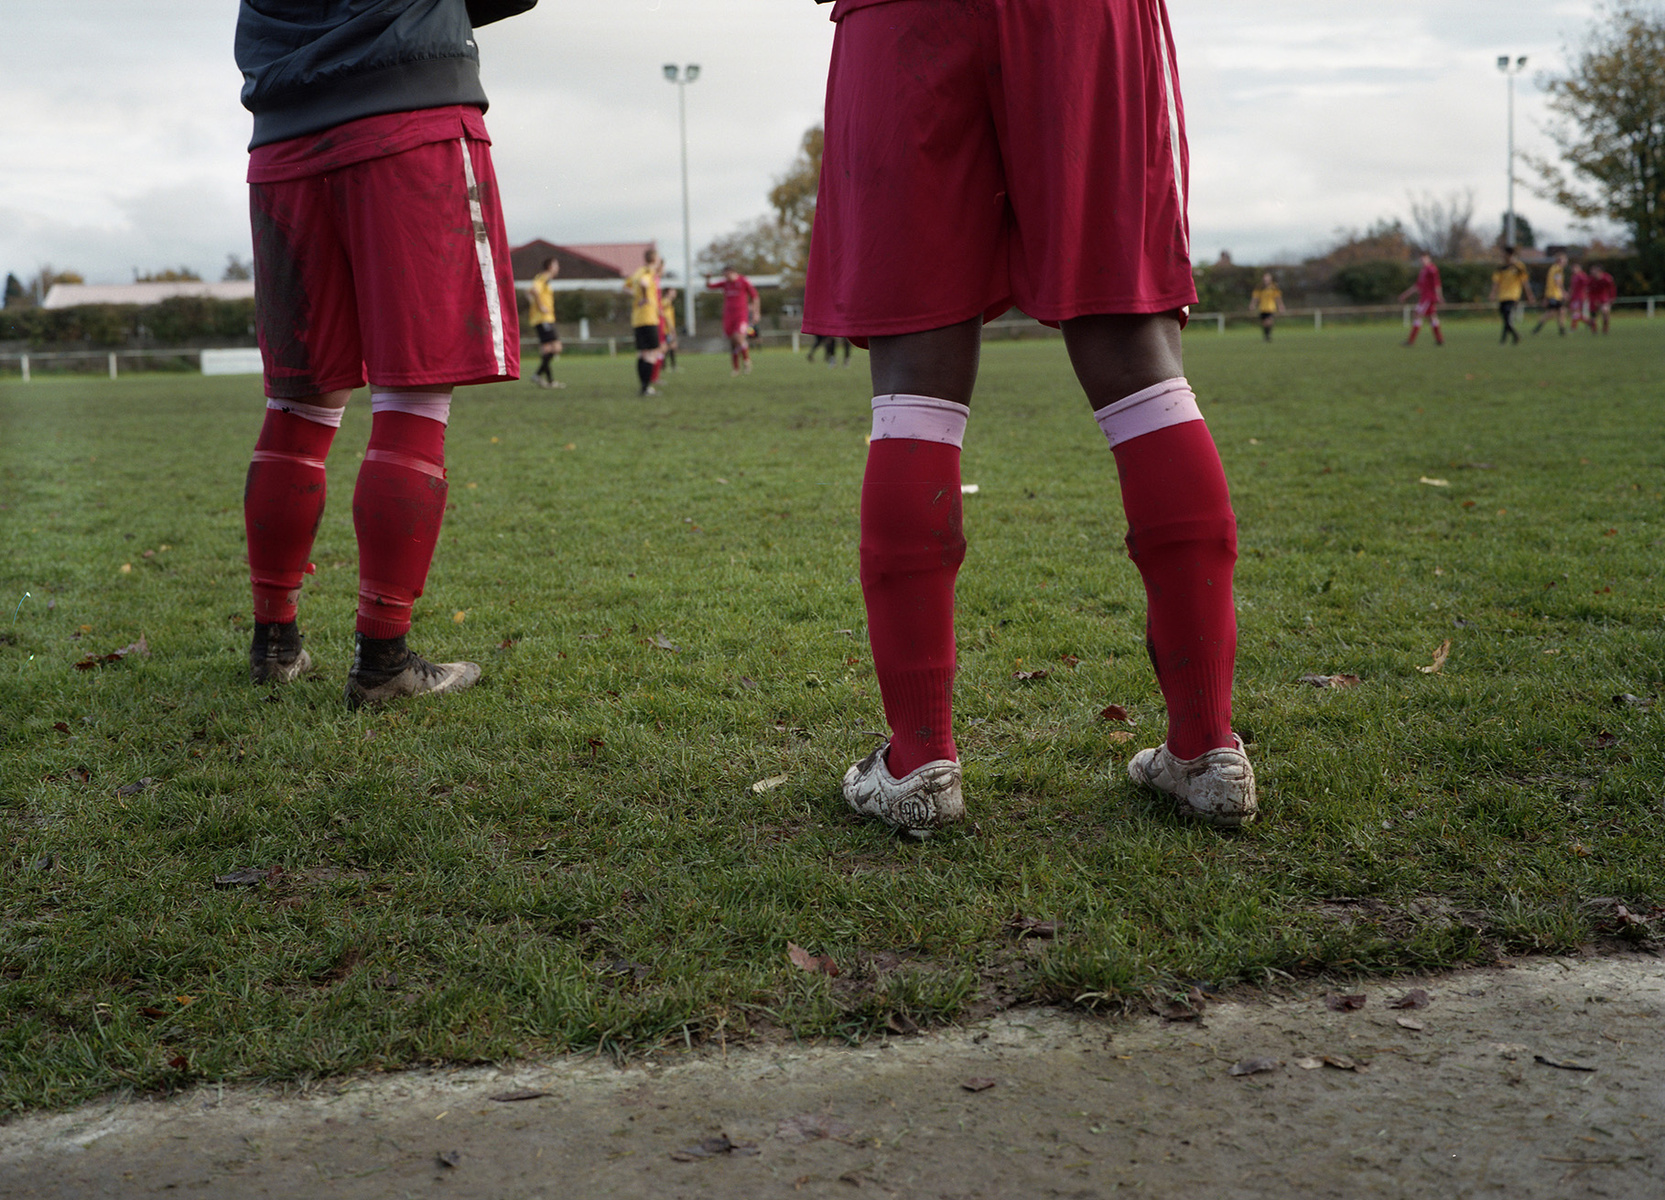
<point>1171,402</point>
<point>919,418</point>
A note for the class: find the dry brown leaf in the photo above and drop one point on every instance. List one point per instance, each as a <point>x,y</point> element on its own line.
<point>1441,653</point>
<point>1336,1002</point>
<point>1415,998</point>
<point>769,784</point>
<point>816,964</point>
<point>1026,676</point>
<point>1115,712</point>
<point>977,1083</point>
<point>1254,1066</point>
<point>1331,681</point>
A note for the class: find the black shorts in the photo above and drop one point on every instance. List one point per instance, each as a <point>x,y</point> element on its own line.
<point>548,333</point>
<point>647,336</point>
<point>1552,304</point>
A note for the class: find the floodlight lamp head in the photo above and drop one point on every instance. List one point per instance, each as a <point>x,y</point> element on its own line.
<point>1502,64</point>
<point>692,71</point>
<point>670,71</point>
<point>1520,63</point>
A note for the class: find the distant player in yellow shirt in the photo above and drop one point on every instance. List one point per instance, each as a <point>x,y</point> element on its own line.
<point>1511,287</point>
<point>1555,297</point>
<point>543,320</point>
<point>643,286</point>
<point>1267,300</point>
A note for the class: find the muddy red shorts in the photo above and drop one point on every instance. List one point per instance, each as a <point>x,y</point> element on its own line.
<point>982,154</point>
<point>380,256</point>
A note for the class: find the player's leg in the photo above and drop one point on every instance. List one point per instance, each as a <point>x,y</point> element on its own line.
<point>912,541</point>
<point>1416,328</point>
<point>309,340</point>
<point>1182,535</point>
<point>1434,326</point>
<point>433,214</point>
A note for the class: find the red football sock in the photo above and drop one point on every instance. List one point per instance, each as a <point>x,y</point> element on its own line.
<point>283,501</point>
<point>658,367</point>
<point>1416,328</point>
<point>397,509</point>
<point>1183,536</point>
<point>734,359</point>
<point>1439,338</point>
<point>912,545</point>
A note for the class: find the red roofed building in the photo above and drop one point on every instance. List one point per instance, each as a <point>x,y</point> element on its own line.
<point>608,260</point>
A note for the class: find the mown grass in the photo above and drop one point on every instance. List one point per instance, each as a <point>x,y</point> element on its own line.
<point>572,856</point>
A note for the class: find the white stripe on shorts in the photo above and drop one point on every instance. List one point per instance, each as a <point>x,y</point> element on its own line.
<point>488,269</point>
<point>1170,92</point>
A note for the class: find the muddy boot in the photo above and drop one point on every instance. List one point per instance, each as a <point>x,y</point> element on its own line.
<point>276,654</point>
<point>386,669</point>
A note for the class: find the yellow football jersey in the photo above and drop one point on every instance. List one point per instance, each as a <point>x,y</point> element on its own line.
<point>1266,298</point>
<point>543,300</point>
<point>1554,286</point>
<point>1510,281</point>
<point>644,293</point>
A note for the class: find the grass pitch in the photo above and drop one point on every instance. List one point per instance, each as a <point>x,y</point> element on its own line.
<point>663,595</point>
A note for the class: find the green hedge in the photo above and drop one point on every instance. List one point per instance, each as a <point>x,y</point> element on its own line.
<point>181,319</point>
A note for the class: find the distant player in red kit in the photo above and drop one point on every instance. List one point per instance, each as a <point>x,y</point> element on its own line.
<point>1603,291</point>
<point>741,310</point>
<point>1578,298</point>
<point>1429,296</point>
<point>379,256</point>
<point>980,155</point>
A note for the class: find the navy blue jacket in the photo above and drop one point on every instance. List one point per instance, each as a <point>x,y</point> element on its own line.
<point>309,65</point>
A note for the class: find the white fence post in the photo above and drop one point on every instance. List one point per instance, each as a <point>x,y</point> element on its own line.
<point>112,366</point>
<point>612,347</point>
<point>25,368</point>
<point>1405,316</point>
<point>1317,319</point>
<point>795,346</point>
<point>583,329</point>
<point>1220,322</point>
<point>1650,308</point>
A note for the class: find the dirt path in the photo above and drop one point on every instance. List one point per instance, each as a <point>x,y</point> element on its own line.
<point>1461,1106</point>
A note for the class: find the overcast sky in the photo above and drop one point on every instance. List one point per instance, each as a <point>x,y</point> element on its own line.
<point>124,143</point>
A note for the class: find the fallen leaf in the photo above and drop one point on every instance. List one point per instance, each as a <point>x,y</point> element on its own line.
<point>449,1158</point>
<point>506,644</point>
<point>1342,1063</point>
<point>60,726</point>
<point>901,1023</point>
<point>126,568</point>
<point>1435,482</point>
<point>1025,676</point>
<point>242,877</point>
<point>746,681</point>
<point>1560,1066</point>
<point>977,1083</point>
<point>1188,1009</point>
<point>711,1147</point>
<point>179,1063</point>
<point>1415,998</point>
<point>813,1127</point>
<point>1119,736</point>
<point>1255,1066</point>
<point>1331,681</point>
<point>151,1011</point>
<point>1021,926</point>
<point>595,744</point>
<point>133,789</point>
<point>1510,1050</point>
<point>663,642</point>
<point>1410,1023</point>
<point>516,1097</point>
<point>1624,700</point>
<point>1336,1002</point>
<point>1069,660</point>
<point>1309,1063</point>
<point>1628,918</point>
<point>769,784</point>
<point>1115,712</point>
<point>815,964</point>
<point>1441,653</point>
<point>459,616</point>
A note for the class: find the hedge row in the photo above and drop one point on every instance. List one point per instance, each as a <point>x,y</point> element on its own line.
<point>176,321</point>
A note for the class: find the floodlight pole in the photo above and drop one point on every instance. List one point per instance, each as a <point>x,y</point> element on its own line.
<point>1510,70</point>
<point>682,78</point>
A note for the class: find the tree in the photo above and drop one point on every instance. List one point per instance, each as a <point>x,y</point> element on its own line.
<point>1525,239</point>
<point>1445,228</point>
<point>236,269</point>
<point>17,296</point>
<point>168,275</point>
<point>46,277</point>
<point>1383,241</point>
<point>777,244</point>
<point>1611,132</point>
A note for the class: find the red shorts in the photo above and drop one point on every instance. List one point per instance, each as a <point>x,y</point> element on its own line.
<point>1427,308</point>
<point>392,268</point>
<point>982,154</point>
<point>736,324</point>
